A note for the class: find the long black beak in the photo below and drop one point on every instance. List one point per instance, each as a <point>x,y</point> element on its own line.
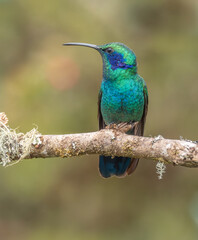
<point>81,44</point>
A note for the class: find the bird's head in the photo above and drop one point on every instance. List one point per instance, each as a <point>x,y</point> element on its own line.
<point>118,59</point>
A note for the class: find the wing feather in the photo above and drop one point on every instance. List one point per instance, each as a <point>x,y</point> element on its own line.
<point>100,118</point>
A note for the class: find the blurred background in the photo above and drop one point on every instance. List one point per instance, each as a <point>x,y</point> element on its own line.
<point>56,88</point>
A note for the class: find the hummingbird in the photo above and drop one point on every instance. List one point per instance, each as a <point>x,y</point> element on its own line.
<point>123,98</point>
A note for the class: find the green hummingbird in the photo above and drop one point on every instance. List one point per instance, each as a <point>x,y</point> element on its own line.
<point>123,98</point>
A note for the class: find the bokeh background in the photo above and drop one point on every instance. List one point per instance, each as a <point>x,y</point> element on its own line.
<point>56,88</point>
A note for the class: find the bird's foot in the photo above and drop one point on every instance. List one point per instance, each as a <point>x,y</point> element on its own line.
<point>123,127</point>
<point>111,126</point>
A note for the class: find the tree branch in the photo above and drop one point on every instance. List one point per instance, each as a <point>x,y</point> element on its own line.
<point>17,146</point>
<point>113,143</point>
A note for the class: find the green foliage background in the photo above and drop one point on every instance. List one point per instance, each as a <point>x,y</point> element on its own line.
<point>56,87</point>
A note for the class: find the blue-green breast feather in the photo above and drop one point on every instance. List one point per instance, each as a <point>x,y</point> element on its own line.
<point>122,101</point>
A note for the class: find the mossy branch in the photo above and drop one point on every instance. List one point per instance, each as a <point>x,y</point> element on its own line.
<point>18,146</point>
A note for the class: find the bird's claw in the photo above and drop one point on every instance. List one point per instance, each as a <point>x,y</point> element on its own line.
<point>121,127</point>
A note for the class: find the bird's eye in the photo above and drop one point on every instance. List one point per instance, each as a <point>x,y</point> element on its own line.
<point>109,50</point>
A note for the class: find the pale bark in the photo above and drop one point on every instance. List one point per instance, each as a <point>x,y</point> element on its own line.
<point>110,142</point>
<point>114,143</point>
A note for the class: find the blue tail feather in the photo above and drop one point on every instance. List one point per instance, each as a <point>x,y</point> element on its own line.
<point>109,166</point>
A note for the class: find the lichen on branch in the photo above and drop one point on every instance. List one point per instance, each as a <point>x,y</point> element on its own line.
<point>15,146</point>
